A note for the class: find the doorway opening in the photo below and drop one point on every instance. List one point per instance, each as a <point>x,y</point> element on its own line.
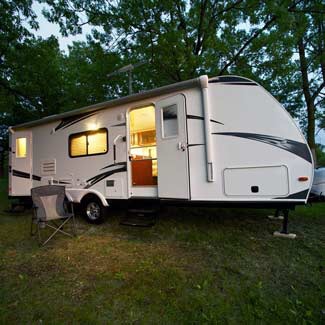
<point>143,149</point>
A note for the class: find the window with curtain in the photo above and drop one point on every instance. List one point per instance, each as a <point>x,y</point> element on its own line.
<point>88,143</point>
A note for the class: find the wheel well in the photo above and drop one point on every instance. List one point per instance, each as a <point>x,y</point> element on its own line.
<point>90,196</point>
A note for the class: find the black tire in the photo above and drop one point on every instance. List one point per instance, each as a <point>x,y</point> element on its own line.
<point>93,210</point>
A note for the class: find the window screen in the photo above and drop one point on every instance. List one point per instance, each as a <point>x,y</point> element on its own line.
<point>88,143</point>
<point>21,147</point>
<point>170,122</point>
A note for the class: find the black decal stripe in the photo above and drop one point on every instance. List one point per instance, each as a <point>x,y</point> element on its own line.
<point>298,148</point>
<point>214,121</point>
<point>121,124</point>
<point>195,117</point>
<point>102,176</point>
<point>195,144</point>
<point>36,178</point>
<point>21,174</point>
<point>295,196</point>
<point>116,164</point>
<point>242,83</point>
<point>77,121</point>
<point>72,120</point>
<point>231,79</point>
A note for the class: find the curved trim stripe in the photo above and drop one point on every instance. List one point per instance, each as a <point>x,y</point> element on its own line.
<point>95,179</point>
<point>298,148</point>
<point>66,122</point>
<point>196,117</point>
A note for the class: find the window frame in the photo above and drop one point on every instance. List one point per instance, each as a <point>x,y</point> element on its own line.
<point>16,148</point>
<point>163,136</point>
<point>86,133</point>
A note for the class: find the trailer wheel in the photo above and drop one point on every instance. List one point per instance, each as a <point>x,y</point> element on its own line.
<point>93,210</point>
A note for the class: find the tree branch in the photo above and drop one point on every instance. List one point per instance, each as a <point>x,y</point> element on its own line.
<point>318,90</point>
<point>253,37</point>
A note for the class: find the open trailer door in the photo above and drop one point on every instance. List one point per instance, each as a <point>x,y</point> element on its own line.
<point>173,179</point>
<point>20,180</point>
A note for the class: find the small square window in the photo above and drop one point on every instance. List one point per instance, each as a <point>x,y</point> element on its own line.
<point>21,147</point>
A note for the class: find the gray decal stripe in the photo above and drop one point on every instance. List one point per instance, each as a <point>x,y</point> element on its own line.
<point>121,124</point>
<point>102,176</point>
<point>296,196</point>
<point>298,148</point>
<point>195,117</point>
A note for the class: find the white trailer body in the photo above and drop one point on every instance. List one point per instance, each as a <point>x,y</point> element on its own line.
<point>223,140</point>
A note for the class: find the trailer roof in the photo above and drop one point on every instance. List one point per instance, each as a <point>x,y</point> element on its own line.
<point>114,102</point>
<point>192,83</point>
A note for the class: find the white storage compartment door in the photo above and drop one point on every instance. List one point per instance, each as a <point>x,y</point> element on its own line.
<point>256,181</point>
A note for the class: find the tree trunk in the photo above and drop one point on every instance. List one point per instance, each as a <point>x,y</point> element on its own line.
<point>308,98</point>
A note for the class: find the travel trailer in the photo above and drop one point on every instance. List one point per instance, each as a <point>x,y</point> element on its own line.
<point>223,141</point>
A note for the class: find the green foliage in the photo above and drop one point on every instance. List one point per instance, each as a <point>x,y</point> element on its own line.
<point>85,75</point>
<point>177,39</point>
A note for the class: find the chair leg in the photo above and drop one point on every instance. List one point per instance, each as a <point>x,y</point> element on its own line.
<point>31,227</point>
<point>39,234</point>
<point>74,226</point>
<point>59,229</point>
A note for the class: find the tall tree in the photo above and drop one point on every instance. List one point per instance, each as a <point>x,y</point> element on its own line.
<point>86,70</point>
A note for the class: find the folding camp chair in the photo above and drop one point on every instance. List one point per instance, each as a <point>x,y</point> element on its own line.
<point>50,206</point>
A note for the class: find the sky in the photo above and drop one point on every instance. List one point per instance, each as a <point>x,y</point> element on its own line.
<point>47,29</point>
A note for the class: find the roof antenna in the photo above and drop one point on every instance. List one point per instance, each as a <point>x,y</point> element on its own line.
<point>128,68</point>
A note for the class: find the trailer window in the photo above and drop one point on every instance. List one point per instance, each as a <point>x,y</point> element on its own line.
<point>88,143</point>
<point>170,122</point>
<point>21,148</point>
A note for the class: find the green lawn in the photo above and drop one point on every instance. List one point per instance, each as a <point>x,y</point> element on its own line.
<point>201,266</point>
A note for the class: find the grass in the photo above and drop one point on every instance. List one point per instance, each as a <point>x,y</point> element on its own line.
<point>202,266</point>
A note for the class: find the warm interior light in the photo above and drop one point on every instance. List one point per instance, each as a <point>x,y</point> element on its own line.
<point>142,119</point>
<point>93,126</point>
<point>88,143</point>
<point>97,142</point>
<point>78,145</point>
<point>21,147</point>
<point>143,146</point>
